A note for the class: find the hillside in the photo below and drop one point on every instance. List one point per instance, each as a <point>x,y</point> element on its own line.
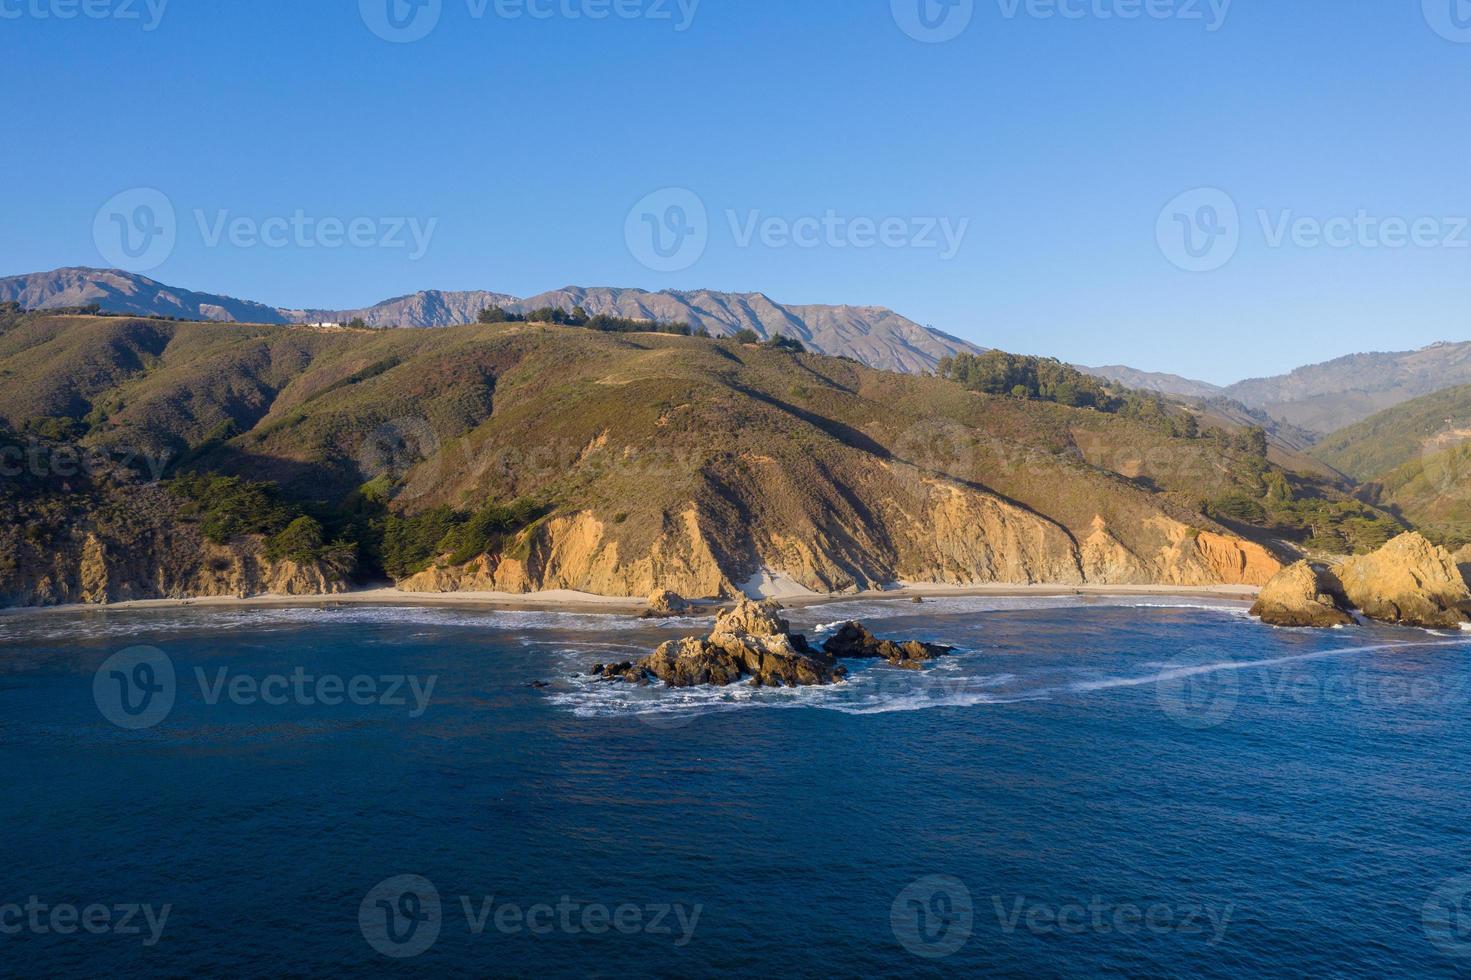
<point>526,457</point>
<point>873,335</point>
<point>1410,431</point>
<point>1329,396</point>
<point>1165,384</point>
<point>1415,459</point>
<point>1433,491</point>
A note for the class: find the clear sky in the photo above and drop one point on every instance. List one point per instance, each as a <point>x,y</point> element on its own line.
<point>1055,143</point>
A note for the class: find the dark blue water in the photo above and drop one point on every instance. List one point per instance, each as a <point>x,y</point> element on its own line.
<point>1088,787</point>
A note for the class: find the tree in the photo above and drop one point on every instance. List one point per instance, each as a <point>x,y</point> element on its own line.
<point>300,541</point>
<point>1253,441</point>
<point>495,314</point>
<point>357,323</point>
<point>746,336</point>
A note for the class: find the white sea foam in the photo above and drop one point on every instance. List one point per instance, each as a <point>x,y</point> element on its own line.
<point>1179,672</point>
<point>104,623</point>
<point>42,625</point>
<point>879,689</point>
<point>872,690</point>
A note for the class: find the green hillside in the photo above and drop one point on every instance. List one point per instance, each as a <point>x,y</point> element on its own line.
<point>1415,461</point>
<point>608,460</point>
<point>1386,441</point>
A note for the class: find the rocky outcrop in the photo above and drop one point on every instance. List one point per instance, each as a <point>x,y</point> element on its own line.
<point>1303,595</point>
<point>749,641</point>
<point>1463,561</point>
<point>853,641</point>
<point>1409,581</point>
<point>664,604</point>
<point>726,658</point>
<point>751,618</point>
<point>753,642</point>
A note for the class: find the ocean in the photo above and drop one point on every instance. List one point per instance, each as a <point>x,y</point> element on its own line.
<point>1144,787</point>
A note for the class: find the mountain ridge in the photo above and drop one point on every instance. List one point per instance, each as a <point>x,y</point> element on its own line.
<point>1317,398</point>
<point>875,335</point>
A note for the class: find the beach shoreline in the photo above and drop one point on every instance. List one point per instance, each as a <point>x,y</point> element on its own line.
<point>583,602</point>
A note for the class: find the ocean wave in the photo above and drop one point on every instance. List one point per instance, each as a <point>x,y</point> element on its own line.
<point>879,689</point>
<point>102,623</point>
<point>871,690</point>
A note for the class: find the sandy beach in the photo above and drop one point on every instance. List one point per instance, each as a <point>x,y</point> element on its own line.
<point>570,601</point>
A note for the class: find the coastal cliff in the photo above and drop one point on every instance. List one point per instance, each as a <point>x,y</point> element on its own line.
<point>967,538</point>
<point>127,542</point>
<point>1408,582</point>
<point>529,457</point>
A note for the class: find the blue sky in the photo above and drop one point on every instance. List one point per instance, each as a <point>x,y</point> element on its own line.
<point>1055,143</point>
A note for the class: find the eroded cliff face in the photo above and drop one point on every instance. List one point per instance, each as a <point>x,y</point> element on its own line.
<point>1191,556</point>
<point>578,552</point>
<point>179,565</point>
<point>942,533</point>
<point>132,545</point>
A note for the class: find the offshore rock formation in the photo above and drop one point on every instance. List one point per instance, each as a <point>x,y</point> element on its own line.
<point>1409,582</point>
<point>753,641</point>
<point>664,604</point>
<point>853,641</point>
<point>1303,595</point>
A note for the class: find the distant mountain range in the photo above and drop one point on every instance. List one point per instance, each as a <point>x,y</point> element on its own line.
<point>1329,396</point>
<point>1323,398</point>
<point>873,335</point>
<point>1165,384</point>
